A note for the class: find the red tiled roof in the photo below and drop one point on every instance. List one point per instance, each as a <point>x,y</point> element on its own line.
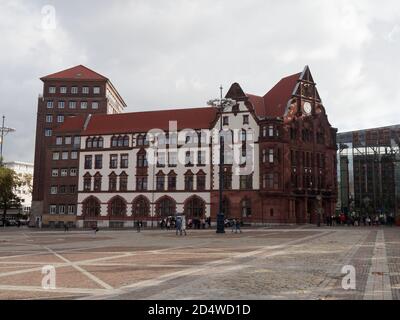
<point>192,118</point>
<point>258,104</point>
<point>277,98</point>
<point>78,72</point>
<point>72,124</point>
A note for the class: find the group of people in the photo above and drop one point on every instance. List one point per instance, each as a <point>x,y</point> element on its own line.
<point>235,225</point>
<point>355,220</point>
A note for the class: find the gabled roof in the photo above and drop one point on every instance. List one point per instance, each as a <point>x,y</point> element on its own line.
<point>277,98</point>
<point>79,72</point>
<point>192,118</point>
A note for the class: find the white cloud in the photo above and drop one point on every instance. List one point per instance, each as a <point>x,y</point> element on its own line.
<point>176,53</point>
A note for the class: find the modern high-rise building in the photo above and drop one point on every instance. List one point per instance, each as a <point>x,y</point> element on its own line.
<point>107,168</point>
<point>369,170</point>
<point>77,91</point>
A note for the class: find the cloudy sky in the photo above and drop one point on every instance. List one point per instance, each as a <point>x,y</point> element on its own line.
<point>175,53</point>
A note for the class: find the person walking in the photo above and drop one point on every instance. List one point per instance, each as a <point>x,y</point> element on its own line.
<point>183,225</point>
<point>138,226</point>
<point>238,223</point>
<point>233,225</point>
<point>178,226</point>
<point>65,227</point>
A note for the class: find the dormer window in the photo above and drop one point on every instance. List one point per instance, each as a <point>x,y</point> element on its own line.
<point>245,119</point>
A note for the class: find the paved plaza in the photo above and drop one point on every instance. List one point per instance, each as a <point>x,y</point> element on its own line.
<point>268,263</point>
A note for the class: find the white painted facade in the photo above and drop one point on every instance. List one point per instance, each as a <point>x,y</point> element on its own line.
<point>209,146</point>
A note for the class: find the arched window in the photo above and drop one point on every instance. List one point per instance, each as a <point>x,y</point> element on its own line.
<point>126,141</point>
<point>141,207</point>
<point>201,180</point>
<point>114,142</point>
<point>226,207</point>
<point>189,181</point>
<point>89,143</point>
<point>123,181</point>
<point>112,182</point>
<point>97,182</point>
<point>117,207</point>
<point>141,159</point>
<point>245,205</point>
<point>140,140</point>
<point>195,207</point>
<point>120,141</point>
<point>166,207</point>
<point>95,142</point>
<point>91,207</point>
<point>87,182</point>
<point>100,142</point>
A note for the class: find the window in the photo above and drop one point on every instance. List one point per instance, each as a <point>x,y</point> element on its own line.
<point>87,182</point>
<point>88,162</point>
<point>96,90</point>
<point>77,141</point>
<point>271,131</point>
<point>225,121</point>
<point>68,140</point>
<point>166,207</point>
<point>85,90</point>
<point>140,140</point>
<point>201,182</point>
<point>227,180</point>
<point>243,135</point>
<point>53,209</point>
<point>246,119</point>
<point>246,208</point>
<point>64,155</point>
<point>201,157</point>
<point>83,105</point>
<point>54,172</point>
<point>60,118</point>
<point>172,161</point>
<point>246,182</point>
<point>141,183</point>
<point>71,209</point>
<point>54,190</point>
<point>195,207</point>
<point>160,159</point>
<point>117,207</point>
<point>141,160</point>
<point>63,90</point>
<point>189,181</point>
<point>124,161</point>
<point>171,181</point>
<point>271,156</point>
<point>141,206</point>
<point>97,182</point>
<point>268,181</point>
<point>123,182</point>
<point>50,104</point>
<point>52,89</point>
<point>188,158</point>
<point>48,132</point>
<point>72,104</point>
<point>113,161</point>
<point>62,189</point>
<point>59,141</point>
<point>61,104</point>
<point>56,156</point>
<point>160,182</point>
<point>74,90</point>
<point>73,172</point>
<point>49,118</point>
<point>95,105</point>
<point>64,172</point>
<point>74,155</point>
<point>112,182</point>
<point>91,207</point>
<point>98,161</point>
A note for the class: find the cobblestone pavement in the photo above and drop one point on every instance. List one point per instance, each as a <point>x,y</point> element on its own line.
<point>272,263</point>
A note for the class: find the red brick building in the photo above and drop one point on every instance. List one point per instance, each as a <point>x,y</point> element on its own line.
<point>279,159</point>
<point>72,92</point>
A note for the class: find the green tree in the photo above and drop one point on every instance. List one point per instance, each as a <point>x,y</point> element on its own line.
<point>8,183</point>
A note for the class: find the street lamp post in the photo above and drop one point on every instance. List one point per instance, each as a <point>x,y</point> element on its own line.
<point>3,132</point>
<point>221,104</point>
